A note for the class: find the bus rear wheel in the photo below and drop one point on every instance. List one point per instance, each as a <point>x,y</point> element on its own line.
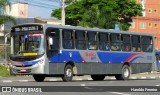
<point>97,77</point>
<point>126,72</point>
<point>39,78</point>
<point>68,73</point>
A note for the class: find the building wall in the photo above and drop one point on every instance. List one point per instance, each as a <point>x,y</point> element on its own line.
<point>19,10</point>
<point>150,22</point>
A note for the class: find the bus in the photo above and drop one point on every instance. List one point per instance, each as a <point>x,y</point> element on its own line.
<point>44,50</point>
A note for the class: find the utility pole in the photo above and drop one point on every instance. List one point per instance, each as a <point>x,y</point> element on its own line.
<point>63,12</point>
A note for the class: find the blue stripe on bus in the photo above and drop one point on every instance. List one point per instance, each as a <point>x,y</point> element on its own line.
<point>113,57</point>
<point>30,63</point>
<point>105,57</point>
<point>118,57</point>
<point>67,56</point>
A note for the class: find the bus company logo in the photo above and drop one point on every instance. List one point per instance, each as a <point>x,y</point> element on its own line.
<point>90,54</point>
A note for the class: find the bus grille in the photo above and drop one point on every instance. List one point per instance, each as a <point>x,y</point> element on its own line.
<point>23,66</point>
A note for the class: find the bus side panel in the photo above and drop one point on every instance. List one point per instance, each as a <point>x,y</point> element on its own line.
<point>141,67</point>
<point>86,68</point>
<point>56,68</point>
<point>98,68</point>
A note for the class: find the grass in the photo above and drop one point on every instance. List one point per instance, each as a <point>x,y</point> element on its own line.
<point>4,71</point>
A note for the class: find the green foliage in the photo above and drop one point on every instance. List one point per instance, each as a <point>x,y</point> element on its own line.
<point>100,13</point>
<point>5,18</point>
<point>3,71</point>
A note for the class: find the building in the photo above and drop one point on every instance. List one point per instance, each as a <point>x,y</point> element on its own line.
<point>150,21</point>
<point>18,10</point>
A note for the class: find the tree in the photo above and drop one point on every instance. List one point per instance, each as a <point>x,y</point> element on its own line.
<point>100,13</point>
<point>3,17</point>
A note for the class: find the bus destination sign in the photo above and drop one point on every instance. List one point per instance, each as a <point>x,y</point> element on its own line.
<point>28,28</point>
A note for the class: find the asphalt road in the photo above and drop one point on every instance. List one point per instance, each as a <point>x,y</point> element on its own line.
<point>82,84</point>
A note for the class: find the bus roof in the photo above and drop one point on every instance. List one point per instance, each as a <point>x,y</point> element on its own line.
<point>85,29</point>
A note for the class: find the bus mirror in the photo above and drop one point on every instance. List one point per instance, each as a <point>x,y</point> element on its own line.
<point>50,41</point>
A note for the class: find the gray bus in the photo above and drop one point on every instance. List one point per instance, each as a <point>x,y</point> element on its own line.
<point>44,50</point>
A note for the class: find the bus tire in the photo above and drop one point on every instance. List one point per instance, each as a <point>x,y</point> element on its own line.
<point>68,73</point>
<point>97,77</point>
<point>126,72</point>
<point>39,78</point>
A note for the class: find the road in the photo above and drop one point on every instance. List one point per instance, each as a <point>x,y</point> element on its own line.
<point>85,82</point>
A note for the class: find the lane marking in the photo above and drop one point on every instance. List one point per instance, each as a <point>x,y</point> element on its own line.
<point>7,81</point>
<point>23,80</point>
<point>156,85</point>
<point>52,79</point>
<point>119,93</point>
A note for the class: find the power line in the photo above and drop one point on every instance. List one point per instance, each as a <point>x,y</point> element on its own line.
<point>58,1</point>
<point>38,4</point>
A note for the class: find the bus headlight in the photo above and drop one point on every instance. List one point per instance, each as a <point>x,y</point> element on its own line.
<point>41,61</point>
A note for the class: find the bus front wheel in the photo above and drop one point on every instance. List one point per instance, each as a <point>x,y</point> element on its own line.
<point>68,73</point>
<point>126,72</point>
<point>39,78</point>
<point>97,77</point>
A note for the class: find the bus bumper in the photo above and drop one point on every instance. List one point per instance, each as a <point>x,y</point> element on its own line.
<point>34,69</point>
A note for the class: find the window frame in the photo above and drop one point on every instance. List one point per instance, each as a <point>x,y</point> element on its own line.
<point>68,43</point>
<point>80,40</point>
<point>102,42</point>
<point>92,44</point>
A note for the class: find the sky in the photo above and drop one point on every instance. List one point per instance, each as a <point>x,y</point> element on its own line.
<point>40,8</point>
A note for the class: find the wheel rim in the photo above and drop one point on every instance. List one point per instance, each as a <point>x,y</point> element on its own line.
<point>68,72</point>
<point>126,72</point>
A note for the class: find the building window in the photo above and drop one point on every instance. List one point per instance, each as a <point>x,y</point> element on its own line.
<point>155,25</point>
<point>142,25</point>
<point>150,25</point>
<point>132,24</point>
<point>155,11</point>
<point>149,10</point>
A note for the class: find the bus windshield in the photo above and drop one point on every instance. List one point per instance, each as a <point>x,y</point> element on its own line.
<point>28,44</point>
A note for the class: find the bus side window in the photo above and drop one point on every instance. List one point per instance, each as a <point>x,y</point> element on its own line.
<point>115,42</point>
<point>68,36</point>
<point>126,46</point>
<point>147,44</point>
<point>80,40</point>
<point>103,42</point>
<point>92,40</point>
<point>136,46</point>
